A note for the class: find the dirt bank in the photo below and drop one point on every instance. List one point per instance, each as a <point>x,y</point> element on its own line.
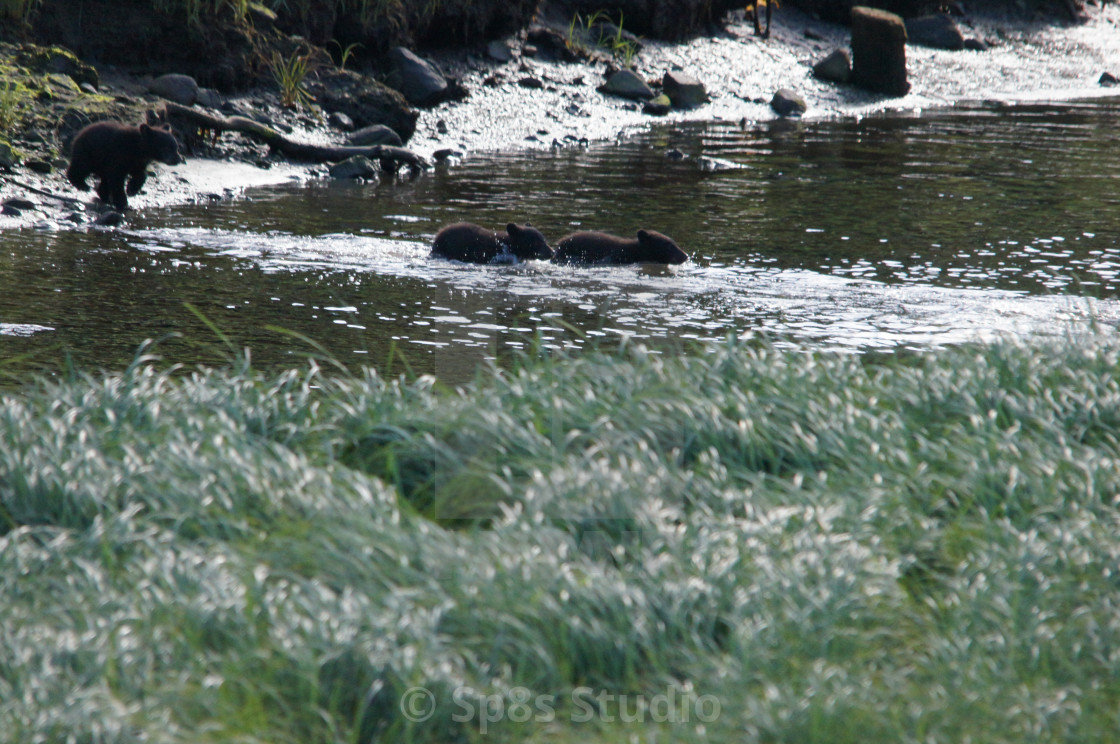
<point>536,102</point>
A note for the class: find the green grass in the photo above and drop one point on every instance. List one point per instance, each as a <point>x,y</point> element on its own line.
<point>290,75</point>
<point>581,33</point>
<point>784,546</point>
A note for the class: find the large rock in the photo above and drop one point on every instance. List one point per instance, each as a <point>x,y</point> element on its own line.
<point>835,68</point>
<point>938,31</point>
<point>879,51</point>
<point>418,80</point>
<point>181,89</point>
<point>627,84</point>
<point>365,101</point>
<point>684,90</point>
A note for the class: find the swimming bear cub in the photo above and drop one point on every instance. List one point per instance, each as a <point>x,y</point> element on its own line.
<point>113,151</point>
<point>470,243</point>
<point>603,248</point>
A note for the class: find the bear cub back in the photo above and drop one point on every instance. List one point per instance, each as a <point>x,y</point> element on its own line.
<point>471,243</point>
<point>649,246</point>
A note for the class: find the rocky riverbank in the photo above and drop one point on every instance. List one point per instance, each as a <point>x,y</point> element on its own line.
<point>539,87</point>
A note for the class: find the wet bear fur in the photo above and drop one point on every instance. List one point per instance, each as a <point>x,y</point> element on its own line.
<point>604,248</point>
<point>470,243</point>
<point>113,151</point>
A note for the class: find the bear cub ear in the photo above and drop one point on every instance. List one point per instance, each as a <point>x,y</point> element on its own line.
<point>144,128</point>
<point>512,229</point>
<point>643,236</point>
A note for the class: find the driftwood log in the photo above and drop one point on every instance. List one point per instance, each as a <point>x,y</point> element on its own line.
<point>391,158</point>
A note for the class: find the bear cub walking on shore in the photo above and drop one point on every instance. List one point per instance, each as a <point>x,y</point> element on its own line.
<point>113,151</point>
<point>603,248</point>
<point>471,243</point>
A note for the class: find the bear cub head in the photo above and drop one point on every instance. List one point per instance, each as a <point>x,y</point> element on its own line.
<point>159,144</point>
<point>660,248</point>
<point>526,242</point>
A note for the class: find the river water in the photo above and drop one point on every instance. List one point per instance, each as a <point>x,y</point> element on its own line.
<point>884,232</point>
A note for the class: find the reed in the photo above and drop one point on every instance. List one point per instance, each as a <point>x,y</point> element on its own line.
<point>290,75</point>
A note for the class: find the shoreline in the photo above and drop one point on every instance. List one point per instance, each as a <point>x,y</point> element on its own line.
<point>1026,62</point>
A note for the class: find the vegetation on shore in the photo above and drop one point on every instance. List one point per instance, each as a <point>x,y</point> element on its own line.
<point>746,544</point>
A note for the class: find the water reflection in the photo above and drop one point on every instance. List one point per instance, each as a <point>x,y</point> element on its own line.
<point>872,233</point>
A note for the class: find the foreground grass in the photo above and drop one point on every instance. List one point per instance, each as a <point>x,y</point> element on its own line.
<point>748,545</point>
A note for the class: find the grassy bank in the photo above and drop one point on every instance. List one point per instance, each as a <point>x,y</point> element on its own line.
<point>748,545</point>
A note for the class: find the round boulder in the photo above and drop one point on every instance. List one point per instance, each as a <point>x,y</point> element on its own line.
<point>787,103</point>
<point>180,89</point>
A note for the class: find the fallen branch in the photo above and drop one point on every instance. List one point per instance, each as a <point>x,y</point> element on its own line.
<point>391,158</point>
<point>40,192</point>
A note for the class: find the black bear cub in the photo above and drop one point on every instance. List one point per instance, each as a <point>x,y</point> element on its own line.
<point>470,243</point>
<point>113,151</point>
<point>603,248</point>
